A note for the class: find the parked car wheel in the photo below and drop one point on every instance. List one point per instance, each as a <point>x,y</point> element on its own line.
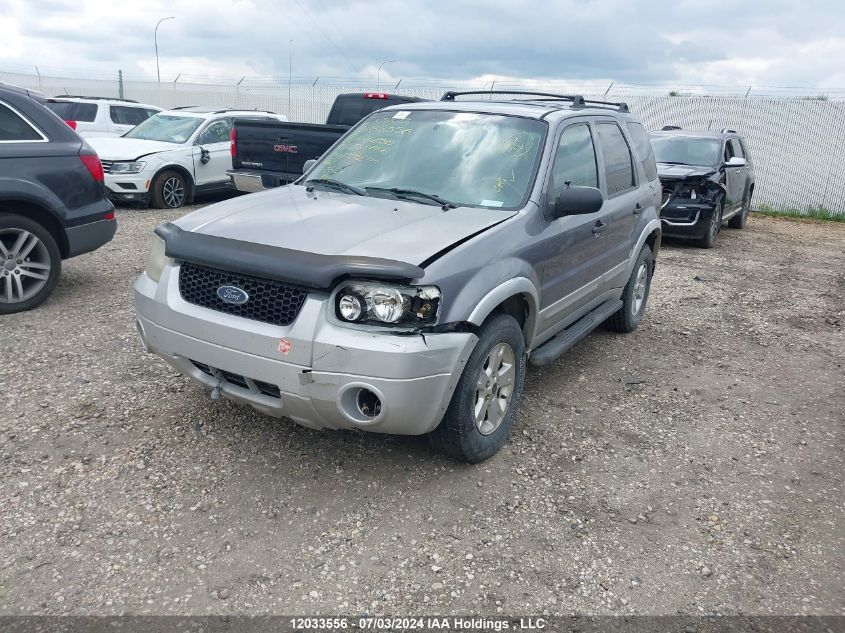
<point>30,263</point>
<point>738,221</point>
<point>635,295</point>
<point>709,239</point>
<point>170,190</point>
<point>486,399</point>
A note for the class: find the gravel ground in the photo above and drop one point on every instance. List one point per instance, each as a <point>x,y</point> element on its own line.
<point>694,466</point>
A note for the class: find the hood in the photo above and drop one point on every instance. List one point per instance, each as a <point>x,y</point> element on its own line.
<point>329,223</point>
<point>119,148</point>
<point>682,172</point>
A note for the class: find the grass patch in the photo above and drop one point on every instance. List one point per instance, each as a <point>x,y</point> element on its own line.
<point>794,213</point>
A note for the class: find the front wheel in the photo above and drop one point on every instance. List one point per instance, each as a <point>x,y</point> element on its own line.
<point>30,263</point>
<point>485,402</point>
<point>713,228</point>
<point>169,190</point>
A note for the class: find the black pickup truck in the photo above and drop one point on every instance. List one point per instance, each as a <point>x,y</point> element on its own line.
<point>267,154</point>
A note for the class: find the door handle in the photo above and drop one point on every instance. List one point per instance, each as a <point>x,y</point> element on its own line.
<point>599,227</point>
<point>738,170</point>
<point>637,208</point>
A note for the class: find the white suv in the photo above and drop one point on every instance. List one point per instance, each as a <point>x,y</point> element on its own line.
<point>173,155</point>
<point>101,116</point>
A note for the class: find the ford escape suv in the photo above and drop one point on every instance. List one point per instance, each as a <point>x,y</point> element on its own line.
<point>404,282</point>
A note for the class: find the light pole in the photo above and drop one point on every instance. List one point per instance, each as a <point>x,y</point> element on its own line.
<point>378,75</point>
<point>155,39</point>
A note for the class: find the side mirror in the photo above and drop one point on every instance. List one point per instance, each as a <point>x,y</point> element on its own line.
<point>578,201</point>
<point>735,161</point>
<point>308,165</point>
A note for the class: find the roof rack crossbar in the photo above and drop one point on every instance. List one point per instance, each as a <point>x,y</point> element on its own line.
<point>727,130</point>
<point>578,101</point>
<point>666,128</point>
<point>93,98</point>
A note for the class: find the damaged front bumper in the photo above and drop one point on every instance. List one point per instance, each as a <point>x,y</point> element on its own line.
<point>684,218</point>
<point>319,374</point>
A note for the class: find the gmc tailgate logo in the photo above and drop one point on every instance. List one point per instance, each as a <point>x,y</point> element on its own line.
<point>285,149</point>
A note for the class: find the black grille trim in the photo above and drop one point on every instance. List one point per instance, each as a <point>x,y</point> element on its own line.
<point>269,301</point>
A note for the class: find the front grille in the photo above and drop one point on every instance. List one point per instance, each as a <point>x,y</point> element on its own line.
<point>269,301</point>
<point>240,381</point>
<point>107,166</point>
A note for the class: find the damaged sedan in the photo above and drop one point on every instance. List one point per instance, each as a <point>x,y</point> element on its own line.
<point>707,179</point>
<point>405,281</point>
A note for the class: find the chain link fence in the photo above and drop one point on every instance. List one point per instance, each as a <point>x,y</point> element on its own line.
<point>797,144</point>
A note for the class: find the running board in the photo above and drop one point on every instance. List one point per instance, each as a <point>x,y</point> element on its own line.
<point>552,349</point>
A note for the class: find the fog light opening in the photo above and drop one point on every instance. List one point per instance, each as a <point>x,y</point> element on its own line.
<point>369,404</point>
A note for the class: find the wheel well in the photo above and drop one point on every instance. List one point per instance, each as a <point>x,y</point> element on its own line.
<point>518,307</point>
<point>40,215</point>
<point>653,241</point>
<point>183,172</point>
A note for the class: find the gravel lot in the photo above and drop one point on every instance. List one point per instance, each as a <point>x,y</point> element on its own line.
<point>694,466</point>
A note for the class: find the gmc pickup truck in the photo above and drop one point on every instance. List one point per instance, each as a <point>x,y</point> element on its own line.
<point>267,154</point>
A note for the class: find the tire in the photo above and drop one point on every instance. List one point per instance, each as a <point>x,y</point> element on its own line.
<point>30,263</point>
<point>635,295</point>
<point>459,435</point>
<point>709,239</point>
<point>738,221</point>
<point>170,190</point>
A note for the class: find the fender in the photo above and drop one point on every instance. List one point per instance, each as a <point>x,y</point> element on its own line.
<point>15,190</point>
<point>182,170</point>
<point>517,286</point>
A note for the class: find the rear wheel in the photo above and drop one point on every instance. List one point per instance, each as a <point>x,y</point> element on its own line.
<point>484,405</point>
<point>635,295</point>
<point>169,190</point>
<point>30,263</point>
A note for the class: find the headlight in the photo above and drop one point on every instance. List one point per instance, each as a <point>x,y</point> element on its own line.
<point>156,260</point>
<point>384,304</point>
<point>127,168</point>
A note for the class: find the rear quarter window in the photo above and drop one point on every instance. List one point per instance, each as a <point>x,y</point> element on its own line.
<point>128,115</point>
<point>73,111</point>
<point>14,128</point>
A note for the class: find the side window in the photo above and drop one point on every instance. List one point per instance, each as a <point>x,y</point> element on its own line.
<point>737,147</point>
<point>618,165</point>
<point>14,128</point>
<point>86,112</point>
<point>216,132</point>
<point>127,115</point>
<point>729,151</point>
<point>575,159</point>
<point>643,147</point>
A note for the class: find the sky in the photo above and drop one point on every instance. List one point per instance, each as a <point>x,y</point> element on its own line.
<point>713,42</point>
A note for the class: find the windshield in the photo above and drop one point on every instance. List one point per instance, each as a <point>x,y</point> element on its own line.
<point>169,128</point>
<point>686,150</point>
<point>464,158</point>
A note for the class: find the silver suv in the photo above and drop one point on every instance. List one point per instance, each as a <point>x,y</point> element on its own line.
<point>404,282</point>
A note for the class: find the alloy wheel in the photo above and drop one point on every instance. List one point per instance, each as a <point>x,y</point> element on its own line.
<point>173,192</point>
<point>494,388</point>
<point>640,287</point>
<point>24,265</point>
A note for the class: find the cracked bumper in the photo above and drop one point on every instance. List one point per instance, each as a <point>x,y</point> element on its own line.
<point>319,377</point>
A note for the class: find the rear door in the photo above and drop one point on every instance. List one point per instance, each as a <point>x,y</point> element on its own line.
<point>624,197</point>
<point>573,244</point>
<point>212,153</point>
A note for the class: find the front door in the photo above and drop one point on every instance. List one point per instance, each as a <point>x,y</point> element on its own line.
<point>574,245</point>
<point>212,154</point>
<point>734,176</point>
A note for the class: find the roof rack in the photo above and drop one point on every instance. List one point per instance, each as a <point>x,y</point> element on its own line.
<point>578,101</point>
<point>666,128</point>
<point>242,110</point>
<point>727,130</point>
<point>184,107</point>
<point>93,98</point>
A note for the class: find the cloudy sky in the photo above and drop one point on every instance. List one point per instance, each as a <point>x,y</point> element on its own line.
<point>718,42</point>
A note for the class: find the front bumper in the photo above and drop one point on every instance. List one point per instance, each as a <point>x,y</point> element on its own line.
<point>128,187</point>
<point>321,370</point>
<point>686,219</point>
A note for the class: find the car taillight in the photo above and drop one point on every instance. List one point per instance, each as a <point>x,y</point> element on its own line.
<point>375,95</point>
<point>109,215</point>
<point>72,124</point>
<point>234,138</point>
<point>93,165</point>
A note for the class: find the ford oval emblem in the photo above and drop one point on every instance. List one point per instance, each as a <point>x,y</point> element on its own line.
<point>233,295</point>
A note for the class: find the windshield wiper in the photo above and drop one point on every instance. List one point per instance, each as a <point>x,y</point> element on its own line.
<point>399,192</point>
<point>334,184</point>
